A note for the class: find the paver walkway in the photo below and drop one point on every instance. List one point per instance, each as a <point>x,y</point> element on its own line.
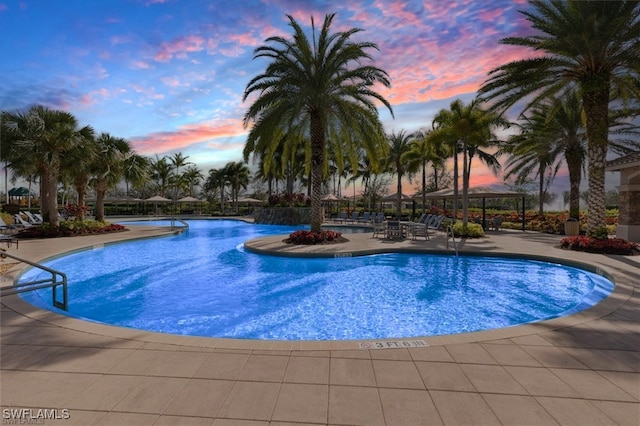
<point>583,369</point>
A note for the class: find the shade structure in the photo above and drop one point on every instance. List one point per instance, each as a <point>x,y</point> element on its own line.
<point>157,199</point>
<point>331,197</point>
<point>480,192</point>
<point>394,197</point>
<point>190,199</point>
<point>249,200</point>
<point>18,192</point>
<point>477,192</point>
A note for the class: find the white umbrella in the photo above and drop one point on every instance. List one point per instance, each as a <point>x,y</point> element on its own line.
<point>190,200</point>
<point>249,200</point>
<point>157,199</point>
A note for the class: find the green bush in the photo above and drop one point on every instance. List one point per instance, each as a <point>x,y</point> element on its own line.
<point>472,230</point>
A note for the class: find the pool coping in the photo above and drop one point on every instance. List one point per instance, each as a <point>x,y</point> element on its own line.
<point>273,245</point>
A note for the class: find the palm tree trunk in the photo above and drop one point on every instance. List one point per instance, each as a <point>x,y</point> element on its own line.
<point>424,185</point>
<point>101,191</point>
<point>541,190</point>
<point>317,160</point>
<point>398,196</point>
<point>574,165</point>
<point>465,186</point>
<point>596,107</point>
<point>455,182</point>
<point>49,197</point>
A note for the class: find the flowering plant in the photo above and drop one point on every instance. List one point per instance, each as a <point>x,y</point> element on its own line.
<point>312,237</point>
<point>600,245</point>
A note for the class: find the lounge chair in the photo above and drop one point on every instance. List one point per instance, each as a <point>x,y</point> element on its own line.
<point>21,222</point>
<point>435,222</point>
<point>8,227</point>
<point>394,230</point>
<point>341,218</point>
<point>8,239</point>
<point>32,219</point>
<point>366,218</point>
<point>354,217</point>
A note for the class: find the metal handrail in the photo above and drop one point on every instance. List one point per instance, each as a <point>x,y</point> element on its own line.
<point>58,279</point>
<point>453,238</point>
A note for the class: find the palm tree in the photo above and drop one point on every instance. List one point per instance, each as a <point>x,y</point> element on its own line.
<point>532,151</point>
<point>593,44</point>
<point>465,129</point>
<point>38,139</point>
<point>319,92</point>
<point>162,173</point>
<point>217,180</point>
<point>238,175</point>
<point>192,176</point>
<point>108,169</point>
<point>137,171</point>
<point>77,163</point>
<point>399,146</point>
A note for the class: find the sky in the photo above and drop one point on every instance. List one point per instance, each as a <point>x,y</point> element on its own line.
<point>169,75</point>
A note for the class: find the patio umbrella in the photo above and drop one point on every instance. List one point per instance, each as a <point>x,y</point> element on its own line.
<point>190,199</point>
<point>157,199</point>
<point>249,200</point>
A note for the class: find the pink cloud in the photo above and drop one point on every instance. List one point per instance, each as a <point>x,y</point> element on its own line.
<point>188,135</point>
<point>179,47</point>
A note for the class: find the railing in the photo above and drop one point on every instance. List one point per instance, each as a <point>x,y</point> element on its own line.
<point>58,279</point>
<point>453,238</point>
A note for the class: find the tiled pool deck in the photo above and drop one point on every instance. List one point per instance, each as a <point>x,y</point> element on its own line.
<point>583,369</point>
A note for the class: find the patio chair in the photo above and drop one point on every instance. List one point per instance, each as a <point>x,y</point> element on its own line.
<point>366,217</point>
<point>21,222</point>
<point>8,227</point>
<point>435,222</point>
<point>394,230</point>
<point>354,217</point>
<point>32,219</point>
<point>341,218</point>
<point>496,223</point>
<point>379,225</point>
<point>8,239</point>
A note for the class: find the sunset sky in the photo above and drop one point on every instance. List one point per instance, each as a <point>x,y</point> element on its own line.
<point>169,75</point>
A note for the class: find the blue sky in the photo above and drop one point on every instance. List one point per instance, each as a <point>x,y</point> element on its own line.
<point>169,75</point>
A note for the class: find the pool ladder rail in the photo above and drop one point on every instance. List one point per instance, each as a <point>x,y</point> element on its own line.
<point>58,279</point>
<point>453,238</point>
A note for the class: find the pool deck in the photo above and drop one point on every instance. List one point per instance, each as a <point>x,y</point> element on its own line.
<point>583,369</point>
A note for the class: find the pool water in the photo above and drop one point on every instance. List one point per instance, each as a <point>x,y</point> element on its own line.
<point>203,283</point>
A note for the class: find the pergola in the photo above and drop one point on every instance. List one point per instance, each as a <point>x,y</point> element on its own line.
<point>628,195</point>
<point>483,193</point>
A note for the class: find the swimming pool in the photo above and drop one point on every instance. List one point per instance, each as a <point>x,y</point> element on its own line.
<point>203,283</point>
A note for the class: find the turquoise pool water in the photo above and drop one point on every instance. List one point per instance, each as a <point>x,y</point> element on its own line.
<point>203,283</point>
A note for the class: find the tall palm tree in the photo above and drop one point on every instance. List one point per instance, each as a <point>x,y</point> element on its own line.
<point>593,44</point>
<point>162,173</point>
<point>38,139</point>
<point>532,151</point>
<point>217,181</point>
<point>238,175</point>
<point>137,171</point>
<point>109,168</point>
<point>77,163</point>
<point>321,92</point>
<point>465,129</point>
<point>399,146</point>
<point>192,176</point>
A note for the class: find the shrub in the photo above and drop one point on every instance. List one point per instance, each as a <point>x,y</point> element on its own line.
<point>472,230</point>
<point>313,237</point>
<point>600,245</point>
<point>70,229</point>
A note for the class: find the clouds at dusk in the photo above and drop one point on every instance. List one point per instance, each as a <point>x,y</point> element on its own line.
<point>169,76</point>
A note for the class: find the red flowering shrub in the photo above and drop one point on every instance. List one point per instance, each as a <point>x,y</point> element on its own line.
<point>600,245</point>
<point>313,237</point>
